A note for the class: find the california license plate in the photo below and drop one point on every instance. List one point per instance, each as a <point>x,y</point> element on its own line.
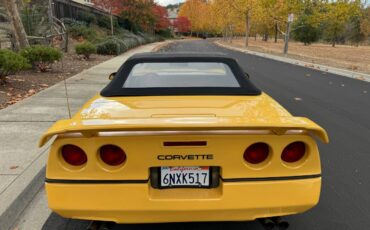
<point>185,176</point>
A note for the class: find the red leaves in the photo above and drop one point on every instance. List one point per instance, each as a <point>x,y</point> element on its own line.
<point>182,24</point>
<point>109,6</point>
<point>160,17</point>
<point>144,13</point>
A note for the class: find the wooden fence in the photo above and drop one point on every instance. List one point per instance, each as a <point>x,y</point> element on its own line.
<point>71,9</point>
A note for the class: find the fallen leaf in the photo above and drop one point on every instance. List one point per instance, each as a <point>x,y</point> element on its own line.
<point>31,91</point>
<point>14,167</point>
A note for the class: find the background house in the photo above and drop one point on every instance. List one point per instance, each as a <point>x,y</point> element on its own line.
<point>87,2</point>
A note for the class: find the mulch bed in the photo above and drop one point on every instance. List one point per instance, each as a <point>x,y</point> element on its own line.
<point>27,83</point>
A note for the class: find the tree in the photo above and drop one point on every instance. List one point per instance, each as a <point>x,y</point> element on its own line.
<point>160,17</point>
<point>304,31</point>
<point>17,25</point>
<point>306,27</point>
<point>109,7</point>
<point>245,9</point>
<point>223,18</point>
<point>365,22</point>
<point>335,20</point>
<point>353,31</point>
<point>192,10</point>
<point>182,24</point>
<point>336,15</point>
<point>138,12</point>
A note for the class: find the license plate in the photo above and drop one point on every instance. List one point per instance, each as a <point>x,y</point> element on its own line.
<point>185,177</point>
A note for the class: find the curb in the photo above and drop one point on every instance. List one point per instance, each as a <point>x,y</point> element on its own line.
<point>24,188</point>
<point>328,69</point>
<point>14,201</point>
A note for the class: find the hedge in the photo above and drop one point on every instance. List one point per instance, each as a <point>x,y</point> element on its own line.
<point>77,31</point>
<point>41,57</point>
<point>11,63</point>
<point>85,49</point>
<point>118,44</point>
<point>112,46</point>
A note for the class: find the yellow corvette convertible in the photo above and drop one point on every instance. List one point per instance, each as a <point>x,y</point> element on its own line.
<point>182,137</point>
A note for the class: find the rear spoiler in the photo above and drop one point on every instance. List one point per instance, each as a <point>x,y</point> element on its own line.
<point>89,128</point>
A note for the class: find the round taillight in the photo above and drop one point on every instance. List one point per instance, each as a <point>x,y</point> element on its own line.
<point>293,152</point>
<point>112,155</point>
<point>256,153</point>
<point>74,155</point>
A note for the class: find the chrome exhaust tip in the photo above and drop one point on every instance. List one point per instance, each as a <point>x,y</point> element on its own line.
<point>280,223</point>
<point>267,223</point>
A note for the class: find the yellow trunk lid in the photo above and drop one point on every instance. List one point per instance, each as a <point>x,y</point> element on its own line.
<point>183,113</point>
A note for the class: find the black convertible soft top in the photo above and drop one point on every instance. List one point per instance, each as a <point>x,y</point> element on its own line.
<point>115,89</point>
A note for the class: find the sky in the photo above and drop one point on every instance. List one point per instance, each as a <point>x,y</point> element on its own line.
<point>167,2</point>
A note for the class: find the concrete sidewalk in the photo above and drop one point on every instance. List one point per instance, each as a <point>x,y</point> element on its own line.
<point>21,125</point>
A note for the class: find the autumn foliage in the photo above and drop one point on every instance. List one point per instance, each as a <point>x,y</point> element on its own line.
<point>333,21</point>
<point>182,24</point>
<point>108,6</point>
<point>161,18</point>
<point>144,14</point>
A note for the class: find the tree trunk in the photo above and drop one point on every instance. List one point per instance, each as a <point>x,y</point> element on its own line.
<point>333,41</point>
<point>276,32</point>
<point>111,22</point>
<point>20,4</point>
<point>246,28</point>
<point>19,32</point>
<point>265,37</point>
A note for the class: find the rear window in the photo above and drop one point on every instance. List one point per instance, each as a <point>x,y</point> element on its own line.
<point>181,74</point>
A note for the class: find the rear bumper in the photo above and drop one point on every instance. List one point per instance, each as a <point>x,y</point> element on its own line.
<point>140,203</point>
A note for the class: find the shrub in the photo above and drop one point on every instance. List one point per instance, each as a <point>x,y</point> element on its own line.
<point>86,17</point>
<point>78,31</point>
<point>41,57</point>
<point>131,42</point>
<point>112,46</point>
<point>304,32</point>
<point>85,49</point>
<point>11,63</point>
<point>165,33</point>
<point>109,47</point>
<point>104,21</point>
<point>71,22</point>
